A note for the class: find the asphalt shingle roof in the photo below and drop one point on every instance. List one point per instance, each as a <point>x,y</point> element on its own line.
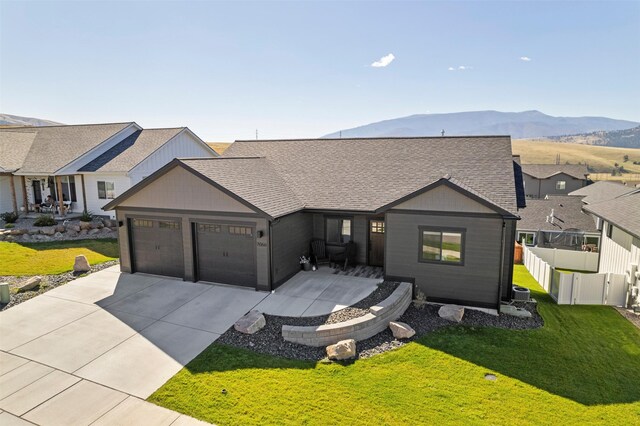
<point>53,147</point>
<point>14,147</point>
<point>623,212</point>
<point>132,150</point>
<point>543,171</point>
<point>601,191</point>
<point>567,212</point>
<point>252,179</point>
<point>369,173</point>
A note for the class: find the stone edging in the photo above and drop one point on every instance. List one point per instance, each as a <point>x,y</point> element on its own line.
<point>360,328</point>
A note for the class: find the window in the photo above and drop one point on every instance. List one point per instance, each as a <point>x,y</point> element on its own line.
<point>106,190</point>
<point>168,225</point>
<point>377,226</point>
<point>202,227</point>
<point>527,238</point>
<point>142,223</point>
<point>441,246</point>
<point>241,230</point>
<point>338,230</point>
<point>561,184</point>
<point>609,230</point>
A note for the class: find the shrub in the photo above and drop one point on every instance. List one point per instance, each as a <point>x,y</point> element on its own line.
<point>45,220</point>
<point>9,226</point>
<point>86,216</point>
<point>9,217</point>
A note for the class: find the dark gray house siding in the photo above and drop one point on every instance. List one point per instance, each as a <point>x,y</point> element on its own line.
<point>510,226</point>
<point>476,282</point>
<point>538,188</point>
<point>290,238</point>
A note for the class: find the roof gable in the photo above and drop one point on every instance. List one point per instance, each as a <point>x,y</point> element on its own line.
<point>14,147</point>
<point>545,171</point>
<point>621,211</point>
<point>567,213</point>
<point>602,191</point>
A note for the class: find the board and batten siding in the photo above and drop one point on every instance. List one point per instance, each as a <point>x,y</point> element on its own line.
<point>477,280</point>
<point>183,145</point>
<point>181,190</point>
<point>619,251</point>
<point>6,199</point>
<point>290,238</point>
<point>121,183</point>
<point>539,188</point>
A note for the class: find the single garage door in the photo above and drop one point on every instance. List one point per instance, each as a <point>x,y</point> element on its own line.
<point>157,247</point>
<point>225,253</point>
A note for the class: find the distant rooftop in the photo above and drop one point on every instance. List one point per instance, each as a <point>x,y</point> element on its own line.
<point>567,213</point>
<point>601,191</point>
<point>544,171</point>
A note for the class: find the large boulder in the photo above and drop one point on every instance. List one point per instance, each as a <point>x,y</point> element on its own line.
<point>30,284</point>
<point>48,230</point>
<point>85,225</point>
<point>18,231</point>
<point>60,228</point>
<point>81,264</point>
<point>73,227</point>
<point>34,231</point>
<point>344,349</point>
<point>401,330</point>
<point>94,231</point>
<point>451,312</point>
<point>250,323</point>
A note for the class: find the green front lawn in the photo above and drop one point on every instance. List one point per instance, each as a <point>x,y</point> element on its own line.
<point>53,258</point>
<point>583,366</point>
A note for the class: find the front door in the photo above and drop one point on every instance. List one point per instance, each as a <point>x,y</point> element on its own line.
<point>376,242</point>
<point>37,191</point>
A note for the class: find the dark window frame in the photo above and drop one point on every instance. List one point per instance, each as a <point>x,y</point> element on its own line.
<point>441,230</point>
<point>340,217</point>
<point>524,233</point>
<point>609,230</point>
<point>105,191</point>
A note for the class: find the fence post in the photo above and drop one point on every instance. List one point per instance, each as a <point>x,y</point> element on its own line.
<point>605,288</point>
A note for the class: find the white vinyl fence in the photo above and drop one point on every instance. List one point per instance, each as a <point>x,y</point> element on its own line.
<point>576,288</point>
<point>568,259</point>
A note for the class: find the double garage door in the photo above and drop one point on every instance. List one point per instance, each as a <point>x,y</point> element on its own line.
<point>223,252</point>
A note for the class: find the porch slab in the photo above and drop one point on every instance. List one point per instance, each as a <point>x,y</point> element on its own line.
<point>285,306</point>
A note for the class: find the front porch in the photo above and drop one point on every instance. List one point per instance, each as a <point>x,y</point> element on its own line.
<point>55,195</point>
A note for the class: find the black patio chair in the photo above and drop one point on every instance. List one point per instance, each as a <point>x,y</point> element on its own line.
<point>347,256</point>
<point>319,252</point>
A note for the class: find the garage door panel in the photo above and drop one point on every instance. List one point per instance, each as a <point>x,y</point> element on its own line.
<point>226,254</point>
<point>157,247</point>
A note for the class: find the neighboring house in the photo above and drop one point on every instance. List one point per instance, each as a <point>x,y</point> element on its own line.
<point>438,212</point>
<point>620,246</point>
<point>557,221</point>
<point>88,164</point>
<point>553,179</point>
<point>601,191</point>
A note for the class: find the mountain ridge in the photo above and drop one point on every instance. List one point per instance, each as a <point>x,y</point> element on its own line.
<point>17,120</point>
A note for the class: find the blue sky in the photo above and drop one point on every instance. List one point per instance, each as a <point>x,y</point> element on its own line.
<point>304,69</point>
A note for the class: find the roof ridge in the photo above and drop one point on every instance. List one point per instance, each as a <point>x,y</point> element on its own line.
<point>65,125</point>
<point>222,158</point>
<point>166,128</point>
<point>376,138</point>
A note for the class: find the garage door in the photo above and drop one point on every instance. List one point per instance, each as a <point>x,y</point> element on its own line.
<point>225,253</point>
<point>157,247</point>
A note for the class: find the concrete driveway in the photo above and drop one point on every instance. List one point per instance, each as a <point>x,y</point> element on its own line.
<point>95,347</point>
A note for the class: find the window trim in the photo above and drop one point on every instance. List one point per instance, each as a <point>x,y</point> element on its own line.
<point>521,233</point>
<point>106,196</point>
<point>564,185</point>
<point>343,217</point>
<point>609,230</point>
<point>463,239</point>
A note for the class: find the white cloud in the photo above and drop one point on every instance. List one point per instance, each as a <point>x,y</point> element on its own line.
<point>384,61</point>
<point>525,58</point>
<point>452,69</point>
<point>460,68</point>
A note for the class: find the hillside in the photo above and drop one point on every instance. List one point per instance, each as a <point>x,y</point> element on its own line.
<point>527,124</point>
<point>628,138</point>
<point>598,158</point>
<point>219,147</point>
<point>16,120</point>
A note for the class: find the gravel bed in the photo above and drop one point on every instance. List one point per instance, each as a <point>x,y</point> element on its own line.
<point>630,315</point>
<point>423,319</point>
<point>49,282</point>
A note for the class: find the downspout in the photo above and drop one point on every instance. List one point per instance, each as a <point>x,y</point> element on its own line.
<point>500,275</point>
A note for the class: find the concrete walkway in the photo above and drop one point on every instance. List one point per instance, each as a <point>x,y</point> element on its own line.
<point>91,351</point>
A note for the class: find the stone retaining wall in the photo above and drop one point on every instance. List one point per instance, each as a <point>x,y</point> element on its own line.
<point>25,232</point>
<point>360,328</point>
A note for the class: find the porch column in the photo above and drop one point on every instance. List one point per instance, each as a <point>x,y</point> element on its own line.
<point>25,200</point>
<point>84,194</point>
<point>59,190</point>
<point>13,194</point>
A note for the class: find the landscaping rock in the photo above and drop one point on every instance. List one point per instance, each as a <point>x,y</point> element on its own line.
<point>85,225</point>
<point>71,234</point>
<point>18,231</point>
<point>108,223</point>
<point>250,323</point>
<point>344,349</point>
<point>48,230</point>
<point>26,238</point>
<point>30,284</point>
<point>41,238</point>
<point>34,231</point>
<point>515,311</point>
<point>401,330</point>
<point>114,228</point>
<point>93,231</point>
<point>451,312</point>
<point>83,232</point>
<point>74,228</point>
<point>60,228</point>
<point>81,264</point>
<point>106,230</point>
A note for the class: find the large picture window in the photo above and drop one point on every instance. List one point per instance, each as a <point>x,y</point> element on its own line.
<point>441,245</point>
<point>338,230</point>
<point>106,190</point>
